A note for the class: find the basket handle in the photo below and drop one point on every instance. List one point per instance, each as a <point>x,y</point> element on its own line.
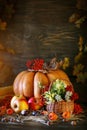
<point>59,79</point>
<point>50,86</point>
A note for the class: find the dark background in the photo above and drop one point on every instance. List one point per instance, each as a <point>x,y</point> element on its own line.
<point>41,29</point>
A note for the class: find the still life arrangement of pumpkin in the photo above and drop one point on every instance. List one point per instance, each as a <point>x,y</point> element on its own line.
<point>43,88</point>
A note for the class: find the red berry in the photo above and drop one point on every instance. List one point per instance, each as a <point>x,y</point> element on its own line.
<point>9,111</point>
<point>2,110</point>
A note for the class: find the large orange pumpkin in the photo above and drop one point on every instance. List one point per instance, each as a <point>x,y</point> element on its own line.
<point>27,82</point>
<point>23,84</point>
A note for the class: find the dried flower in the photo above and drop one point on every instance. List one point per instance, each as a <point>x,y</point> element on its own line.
<point>68,95</point>
<point>75,96</point>
<point>36,64</point>
<point>59,91</point>
<point>53,116</point>
<point>66,63</point>
<point>77,108</point>
<point>66,115</point>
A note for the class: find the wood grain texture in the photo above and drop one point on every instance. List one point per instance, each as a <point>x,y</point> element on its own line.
<point>40,28</point>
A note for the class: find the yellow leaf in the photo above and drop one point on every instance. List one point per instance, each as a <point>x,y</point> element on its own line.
<point>11,51</point>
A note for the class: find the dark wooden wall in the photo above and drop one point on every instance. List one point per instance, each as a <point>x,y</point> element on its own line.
<point>40,29</point>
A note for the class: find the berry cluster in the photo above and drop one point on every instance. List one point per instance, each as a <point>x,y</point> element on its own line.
<point>5,106</point>
<point>36,64</point>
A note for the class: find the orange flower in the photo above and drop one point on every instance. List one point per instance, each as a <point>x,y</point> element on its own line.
<point>2,110</point>
<point>52,116</point>
<point>66,115</point>
<point>9,111</point>
<point>45,112</point>
<point>77,108</point>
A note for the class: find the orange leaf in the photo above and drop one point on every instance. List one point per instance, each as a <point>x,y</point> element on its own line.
<point>53,116</point>
<point>66,115</point>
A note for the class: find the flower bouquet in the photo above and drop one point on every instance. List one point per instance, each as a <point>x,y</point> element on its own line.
<point>60,97</point>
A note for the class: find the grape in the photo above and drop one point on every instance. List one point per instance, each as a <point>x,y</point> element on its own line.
<point>24,112</point>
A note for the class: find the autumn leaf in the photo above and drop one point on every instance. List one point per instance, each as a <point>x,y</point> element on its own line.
<point>78,57</point>
<point>3,25</point>
<point>77,69</point>
<point>11,51</point>
<point>66,63</point>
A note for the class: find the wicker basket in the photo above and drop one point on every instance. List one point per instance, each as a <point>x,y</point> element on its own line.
<point>60,107</point>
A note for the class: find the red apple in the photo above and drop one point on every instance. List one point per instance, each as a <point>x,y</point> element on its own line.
<point>19,103</point>
<point>35,104</point>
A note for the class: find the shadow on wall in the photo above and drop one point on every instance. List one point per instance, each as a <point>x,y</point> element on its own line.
<point>6,73</point>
